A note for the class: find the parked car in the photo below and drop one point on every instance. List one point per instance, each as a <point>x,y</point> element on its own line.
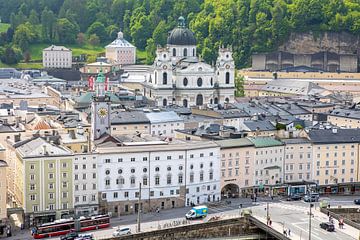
<point>357,201</point>
<point>86,236</point>
<point>327,226</point>
<point>70,236</point>
<point>122,231</point>
<point>293,197</point>
<point>312,197</point>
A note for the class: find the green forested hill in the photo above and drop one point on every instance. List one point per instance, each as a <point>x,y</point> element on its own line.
<point>248,25</point>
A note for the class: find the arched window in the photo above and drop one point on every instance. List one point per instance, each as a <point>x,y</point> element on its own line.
<point>145,180</point>
<point>164,102</point>
<point>157,180</point>
<point>132,180</point>
<point>155,77</point>
<point>185,103</point>
<point>185,82</point>
<point>227,78</point>
<point>211,175</point>
<point>193,52</point>
<point>199,100</point>
<point>226,100</point>
<point>216,100</point>
<point>211,81</point>
<point>199,82</point>
<point>164,78</point>
<point>211,101</point>
<point>174,52</point>
<point>185,52</point>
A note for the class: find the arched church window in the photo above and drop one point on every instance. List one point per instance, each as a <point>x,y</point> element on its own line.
<point>227,78</point>
<point>226,100</point>
<point>174,52</point>
<point>211,101</point>
<point>185,52</point>
<point>164,78</point>
<point>216,100</point>
<point>185,82</point>
<point>211,81</point>
<point>193,52</point>
<point>164,102</point>
<point>185,103</point>
<point>199,100</point>
<point>199,82</point>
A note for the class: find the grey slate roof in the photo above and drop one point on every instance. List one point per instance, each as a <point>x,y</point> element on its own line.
<point>347,113</point>
<point>295,141</point>
<point>254,125</point>
<point>118,118</point>
<point>321,136</point>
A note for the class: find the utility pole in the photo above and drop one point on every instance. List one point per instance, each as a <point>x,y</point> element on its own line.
<point>139,209</point>
<point>310,215</point>
<point>267,213</point>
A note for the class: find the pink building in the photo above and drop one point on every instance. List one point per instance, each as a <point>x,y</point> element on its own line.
<point>120,51</point>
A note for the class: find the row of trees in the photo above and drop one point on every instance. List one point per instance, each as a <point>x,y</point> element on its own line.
<point>248,25</point>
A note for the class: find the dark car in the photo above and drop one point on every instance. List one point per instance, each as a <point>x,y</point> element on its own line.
<point>70,236</point>
<point>327,226</point>
<point>357,201</point>
<point>294,197</point>
<point>313,197</point>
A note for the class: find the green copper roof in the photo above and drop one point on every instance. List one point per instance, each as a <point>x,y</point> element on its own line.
<point>234,143</point>
<point>181,22</point>
<point>265,142</point>
<point>100,78</point>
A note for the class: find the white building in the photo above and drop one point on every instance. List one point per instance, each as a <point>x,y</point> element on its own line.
<point>85,184</point>
<point>173,173</point>
<point>120,51</point>
<point>165,123</point>
<point>57,57</point>
<point>268,161</point>
<point>180,77</point>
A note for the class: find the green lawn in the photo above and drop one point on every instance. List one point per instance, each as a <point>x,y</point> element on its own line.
<point>140,56</point>
<point>4,27</point>
<point>22,65</point>
<point>36,50</point>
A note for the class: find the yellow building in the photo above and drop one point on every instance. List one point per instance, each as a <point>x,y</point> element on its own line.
<point>345,118</point>
<point>3,190</point>
<point>335,157</point>
<point>236,166</point>
<point>47,178</point>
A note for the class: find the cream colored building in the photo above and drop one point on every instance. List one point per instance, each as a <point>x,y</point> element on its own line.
<point>344,118</point>
<point>47,178</point>
<point>3,190</point>
<point>236,166</point>
<point>335,156</point>
<point>298,160</point>
<point>57,57</point>
<point>120,51</point>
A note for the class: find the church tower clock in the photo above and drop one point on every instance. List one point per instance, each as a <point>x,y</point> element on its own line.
<point>100,109</point>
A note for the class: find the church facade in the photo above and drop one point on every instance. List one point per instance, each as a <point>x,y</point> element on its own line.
<point>179,77</point>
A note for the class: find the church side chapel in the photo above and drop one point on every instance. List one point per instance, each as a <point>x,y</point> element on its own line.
<point>180,77</point>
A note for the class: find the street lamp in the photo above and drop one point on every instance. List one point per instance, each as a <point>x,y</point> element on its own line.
<point>310,215</point>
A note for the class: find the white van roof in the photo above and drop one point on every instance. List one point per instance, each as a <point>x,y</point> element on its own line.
<point>200,207</point>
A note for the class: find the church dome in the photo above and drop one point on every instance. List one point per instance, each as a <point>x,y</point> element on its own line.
<point>181,35</point>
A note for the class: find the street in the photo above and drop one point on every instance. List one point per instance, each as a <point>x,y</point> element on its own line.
<point>289,215</point>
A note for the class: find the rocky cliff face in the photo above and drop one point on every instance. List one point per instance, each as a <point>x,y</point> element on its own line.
<point>307,43</point>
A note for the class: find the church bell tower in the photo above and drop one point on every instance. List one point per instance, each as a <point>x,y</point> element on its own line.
<point>100,109</point>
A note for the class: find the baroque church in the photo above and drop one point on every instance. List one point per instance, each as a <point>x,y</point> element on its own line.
<point>179,77</point>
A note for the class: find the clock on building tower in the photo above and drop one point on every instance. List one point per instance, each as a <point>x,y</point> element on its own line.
<point>100,109</point>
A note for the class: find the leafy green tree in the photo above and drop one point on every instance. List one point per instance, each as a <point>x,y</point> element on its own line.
<point>111,32</point>
<point>10,55</point>
<point>159,34</point>
<point>98,29</point>
<point>65,31</point>
<point>94,39</point>
<point>24,35</point>
<point>150,51</point>
<point>48,22</point>
<point>239,85</point>
<point>81,38</point>
<point>33,18</point>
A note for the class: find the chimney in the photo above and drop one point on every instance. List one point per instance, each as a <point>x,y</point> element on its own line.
<point>17,137</point>
<point>334,130</point>
<point>45,150</point>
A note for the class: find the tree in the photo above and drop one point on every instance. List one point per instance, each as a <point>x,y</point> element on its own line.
<point>111,32</point>
<point>94,39</point>
<point>239,85</point>
<point>80,38</point>
<point>160,33</point>
<point>150,51</point>
<point>48,22</point>
<point>10,55</point>
<point>23,36</point>
<point>98,29</point>
<point>65,31</point>
<point>27,56</point>
<point>33,17</point>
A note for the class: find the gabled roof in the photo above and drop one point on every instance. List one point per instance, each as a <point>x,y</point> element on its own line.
<point>265,142</point>
<point>159,117</point>
<point>335,135</point>
<point>38,147</point>
<point>134,117</point>
<point>233,143</point>
<point>260,125</point>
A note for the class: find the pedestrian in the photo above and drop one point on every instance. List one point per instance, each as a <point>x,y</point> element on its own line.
<point>329,205</point>
<point>270,222</point>
<point>289,232</point>
<point>285,233</point>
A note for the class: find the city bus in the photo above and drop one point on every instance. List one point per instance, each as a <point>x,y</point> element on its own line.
<point>64,226</point>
